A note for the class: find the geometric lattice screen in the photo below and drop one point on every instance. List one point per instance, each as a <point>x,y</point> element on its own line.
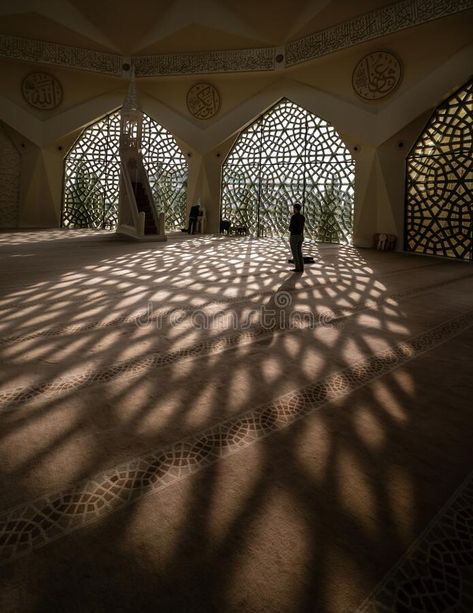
<point>92,175</point>
<point>10,171</point>
<point>289,156</point>
<point>439,197</point>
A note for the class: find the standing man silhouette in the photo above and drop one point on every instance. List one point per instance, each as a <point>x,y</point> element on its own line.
<point>296,238</point>
<point>193,217</point>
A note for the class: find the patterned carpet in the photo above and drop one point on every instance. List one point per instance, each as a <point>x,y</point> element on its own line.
<point>189,426</point>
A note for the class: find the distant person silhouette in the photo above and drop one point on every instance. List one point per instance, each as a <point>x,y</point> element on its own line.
<point>296,238</point>
<point>193,217</point>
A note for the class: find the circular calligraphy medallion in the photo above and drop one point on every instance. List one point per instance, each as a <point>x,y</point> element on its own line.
<point>42,90</point>
<point>203,100</point>
<point>377,75</point>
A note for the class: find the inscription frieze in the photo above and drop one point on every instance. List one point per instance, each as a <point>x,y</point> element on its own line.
<point>42,52</point>
<point>375,24</point>
<point>241,60</point>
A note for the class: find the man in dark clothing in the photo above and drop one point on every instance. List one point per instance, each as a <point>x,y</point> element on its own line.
<point>296,228</point>
<point>193,217</point>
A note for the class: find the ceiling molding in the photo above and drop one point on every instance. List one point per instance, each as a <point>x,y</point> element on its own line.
<point>42,52</point>
<point>239,60</point>
<point>375,24</point>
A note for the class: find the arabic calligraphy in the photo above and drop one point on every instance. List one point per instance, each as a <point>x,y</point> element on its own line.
<point>42,91</point>
<point>376,75</point>
<point>203,100</point>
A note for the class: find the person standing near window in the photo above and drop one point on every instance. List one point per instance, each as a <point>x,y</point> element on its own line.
<point>193,217</point>
<point>296,238</point>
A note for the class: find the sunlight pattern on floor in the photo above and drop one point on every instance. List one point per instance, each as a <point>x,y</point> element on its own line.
<point>12,398</point>
<point>34,525</point>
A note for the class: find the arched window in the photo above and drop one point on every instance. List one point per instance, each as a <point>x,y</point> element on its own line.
<point>92,175</point>
<point>289,155</point>
<point>439,199</point>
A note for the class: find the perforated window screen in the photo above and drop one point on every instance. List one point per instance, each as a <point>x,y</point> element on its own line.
<point>92,175</point>
<point>439,200</point>
<point>290,156</point>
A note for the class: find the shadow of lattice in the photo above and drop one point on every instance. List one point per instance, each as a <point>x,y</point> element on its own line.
<point>70,319</point>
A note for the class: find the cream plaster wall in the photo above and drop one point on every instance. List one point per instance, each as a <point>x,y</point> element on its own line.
<point>437,58</point>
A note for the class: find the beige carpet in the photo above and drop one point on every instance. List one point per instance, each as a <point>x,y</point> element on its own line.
<point>189,426</point>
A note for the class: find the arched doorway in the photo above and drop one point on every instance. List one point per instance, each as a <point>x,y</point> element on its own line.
<point>289,155</point>
<point>92,175</point>
<point>439,195</point>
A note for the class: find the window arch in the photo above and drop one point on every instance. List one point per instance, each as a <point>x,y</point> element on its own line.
<point>289,155</point>
<point>92,175</point>
<point>439,201</point>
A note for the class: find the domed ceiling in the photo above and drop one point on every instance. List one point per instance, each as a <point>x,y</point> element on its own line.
<point>171,26</point>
